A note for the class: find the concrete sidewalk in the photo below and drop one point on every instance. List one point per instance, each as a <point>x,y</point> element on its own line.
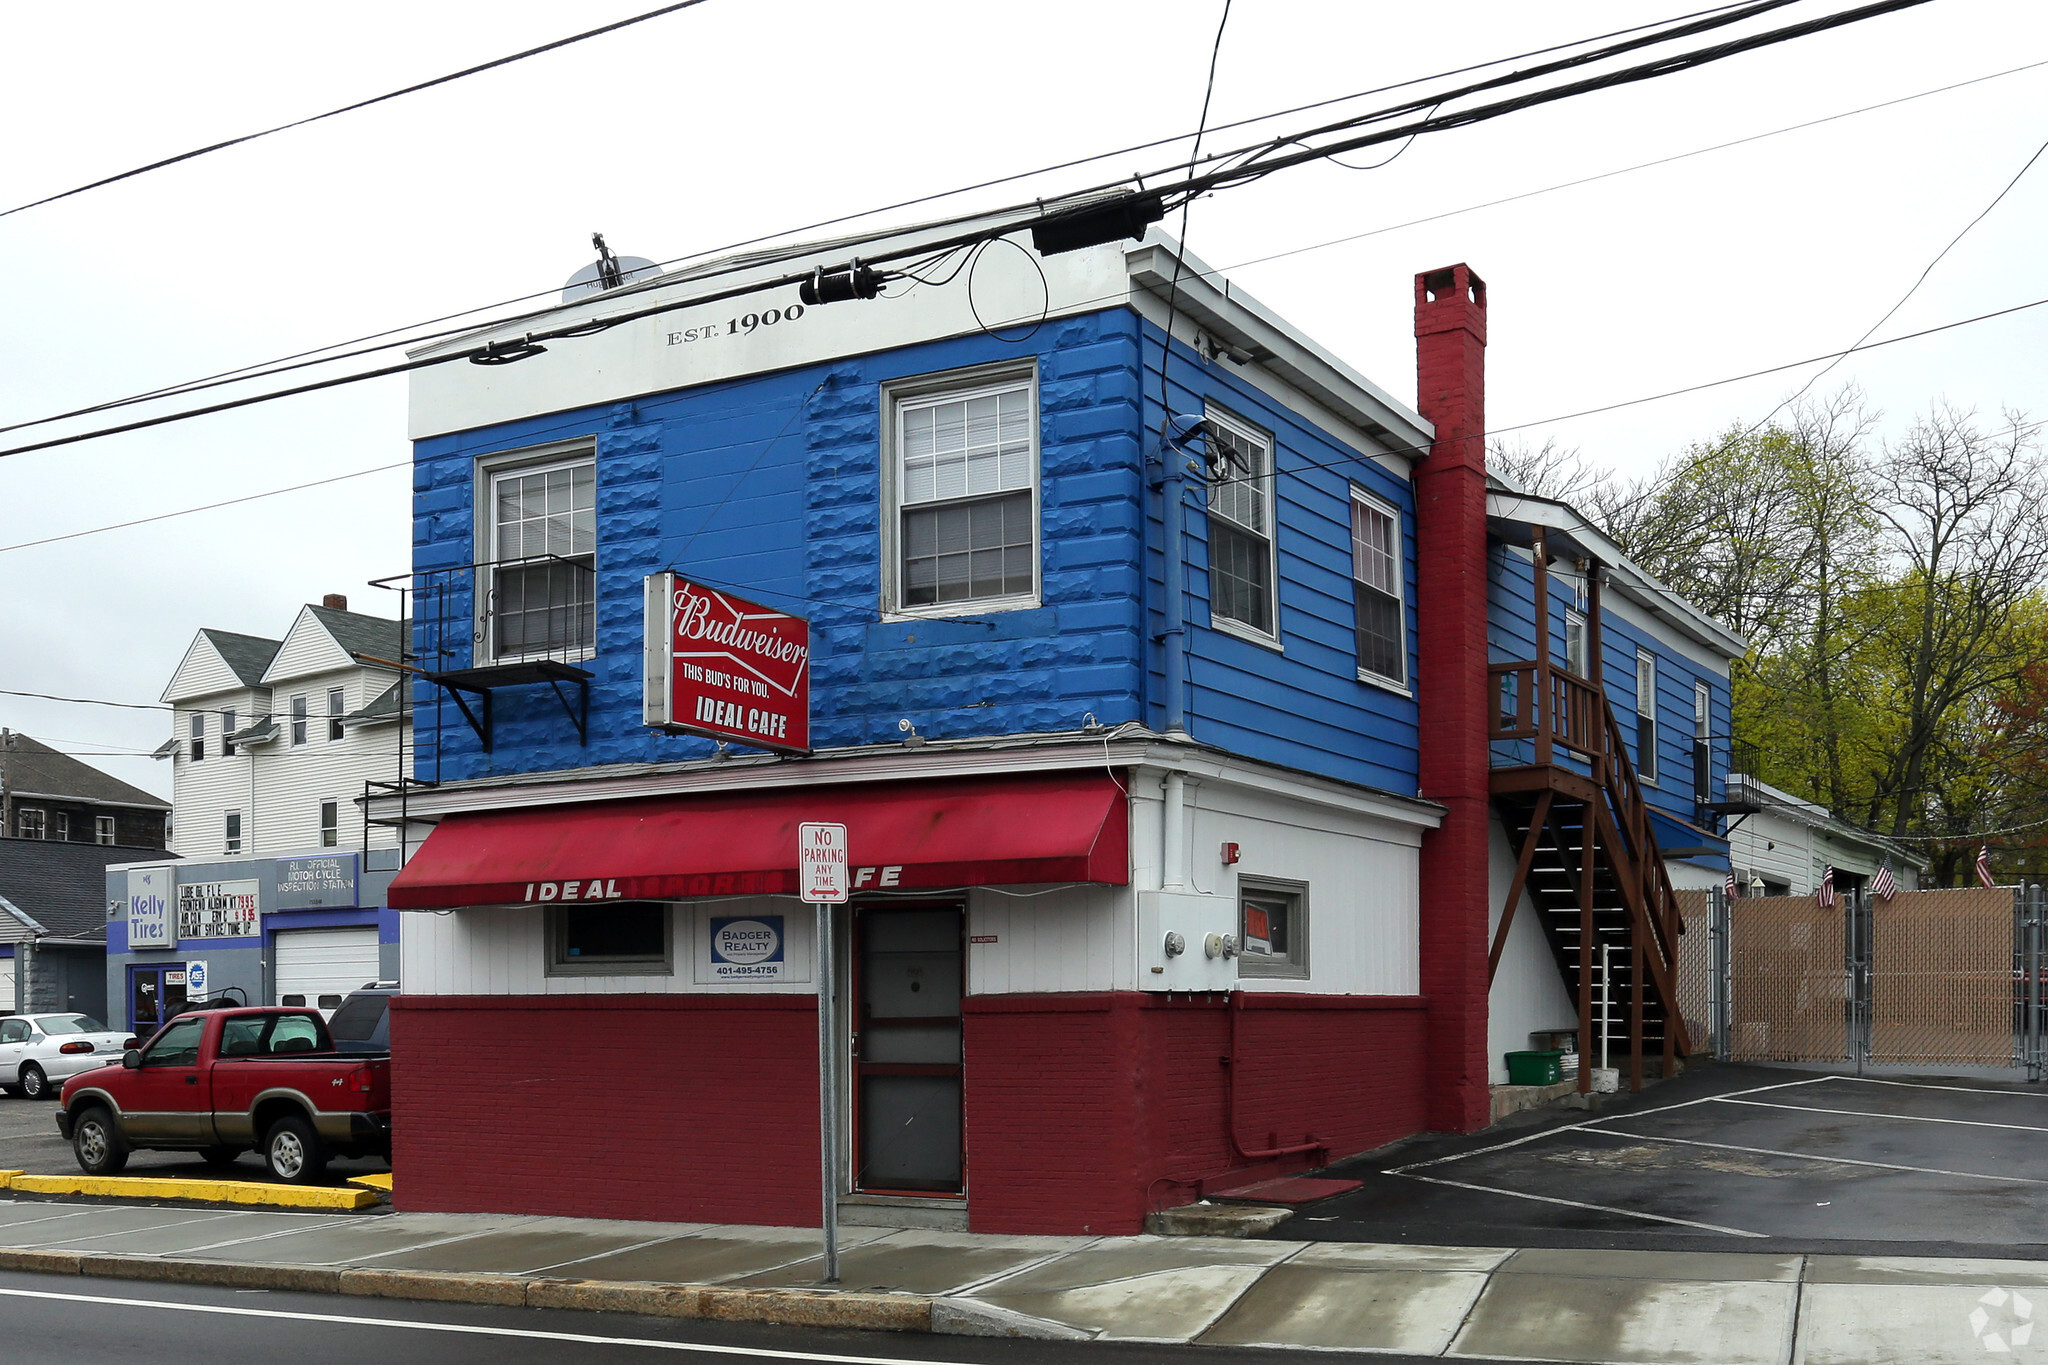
<point>1552,1305</point>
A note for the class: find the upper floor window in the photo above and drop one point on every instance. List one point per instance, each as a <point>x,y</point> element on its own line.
<point>1575,644</point>
<point>197,752</point>
<point>543,555</point>
<point>337,703</point>
<point>103,829</point>
<point>231,832</point>
<point>1646,715</point>
<point>28,823</point>
<point>1376,585</point>
<point>299,716</point>
<point>1702,743</point>
<point>965,485</point>
<point>330,823</point>
<point>227,728</point>
<point>62,831</point>
<point>1241,569</point>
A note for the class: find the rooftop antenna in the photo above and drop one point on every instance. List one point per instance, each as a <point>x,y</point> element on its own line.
<point>608,276</point>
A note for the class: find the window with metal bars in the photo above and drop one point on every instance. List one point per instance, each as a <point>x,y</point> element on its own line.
<point>1376,586</point>
<point>966,485</point>
<point>1241,571</point>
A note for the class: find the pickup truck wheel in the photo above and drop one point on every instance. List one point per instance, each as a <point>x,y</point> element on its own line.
<point>294,1152</point>
<point>97,1143</point>
<point>34,1083</point>
<point>219,1156</point>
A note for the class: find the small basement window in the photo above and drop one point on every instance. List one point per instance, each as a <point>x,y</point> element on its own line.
<point>623,938</point>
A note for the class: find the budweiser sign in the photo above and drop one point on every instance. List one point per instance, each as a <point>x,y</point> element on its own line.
<point>722,666</point>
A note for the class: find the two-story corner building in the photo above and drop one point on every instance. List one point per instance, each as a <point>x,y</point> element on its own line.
<point>46,794</point>
<point>1184,704</point>
<point>279,892</point>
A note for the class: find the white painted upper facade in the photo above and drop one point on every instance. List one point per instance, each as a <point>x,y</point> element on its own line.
<point>270,754</point>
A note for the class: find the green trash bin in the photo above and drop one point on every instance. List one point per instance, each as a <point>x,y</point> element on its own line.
<point>1535,1068</point>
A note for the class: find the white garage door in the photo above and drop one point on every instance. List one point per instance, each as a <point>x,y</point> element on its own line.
<point>320,966</point>
<point>6,985</point>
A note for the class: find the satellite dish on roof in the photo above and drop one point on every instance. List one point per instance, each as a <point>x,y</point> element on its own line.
<point>607,272</point>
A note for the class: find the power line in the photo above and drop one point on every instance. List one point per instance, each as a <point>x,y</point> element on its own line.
<point>1981,216</point>
<point>1282,255</point>
<point>282,364</point>
<point>413,89</point>
<point>90,701</point>
<point>1179,193</point>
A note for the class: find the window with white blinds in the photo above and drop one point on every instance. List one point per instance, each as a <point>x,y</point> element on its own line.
<point>1376,586</point>
<point>1241,573</point>
<point>966,493</point>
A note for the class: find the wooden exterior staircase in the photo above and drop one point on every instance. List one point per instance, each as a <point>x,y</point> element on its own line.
<point>1575,813</point>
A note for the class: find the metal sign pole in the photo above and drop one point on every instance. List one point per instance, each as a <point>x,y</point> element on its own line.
<point>828,1096</point>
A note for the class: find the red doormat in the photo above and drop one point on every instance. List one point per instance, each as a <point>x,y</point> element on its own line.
<point>1290,1189</point>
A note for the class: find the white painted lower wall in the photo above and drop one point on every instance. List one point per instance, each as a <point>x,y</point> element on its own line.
<point>1528,992</point>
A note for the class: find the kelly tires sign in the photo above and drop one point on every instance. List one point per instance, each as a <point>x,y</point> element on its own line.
<point>721,666</point>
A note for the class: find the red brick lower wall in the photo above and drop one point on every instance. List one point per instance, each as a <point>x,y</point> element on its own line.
<point>1083,1112</point>
<point>673,1108</point>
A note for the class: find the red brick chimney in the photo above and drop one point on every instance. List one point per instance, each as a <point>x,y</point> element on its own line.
<point>334,601</point>
<point>1450,590</point>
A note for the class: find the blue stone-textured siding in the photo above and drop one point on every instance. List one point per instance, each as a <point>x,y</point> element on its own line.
<point>769,485</point>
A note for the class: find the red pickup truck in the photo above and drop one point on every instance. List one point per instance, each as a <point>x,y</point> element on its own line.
<point>221,1082</point>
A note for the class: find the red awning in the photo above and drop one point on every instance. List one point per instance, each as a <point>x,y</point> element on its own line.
<point>976,831</point>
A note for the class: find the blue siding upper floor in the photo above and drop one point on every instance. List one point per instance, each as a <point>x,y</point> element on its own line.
<point>1511,588</point>
<point>1302,705</point>
<point>770,486</point>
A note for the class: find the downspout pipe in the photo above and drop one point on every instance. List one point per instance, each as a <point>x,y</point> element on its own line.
<point>1230,1066</point>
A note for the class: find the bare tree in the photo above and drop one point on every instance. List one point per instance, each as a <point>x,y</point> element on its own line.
<point>1546,471</point>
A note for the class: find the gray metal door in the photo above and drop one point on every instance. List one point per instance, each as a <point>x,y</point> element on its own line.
<point>909,981</point>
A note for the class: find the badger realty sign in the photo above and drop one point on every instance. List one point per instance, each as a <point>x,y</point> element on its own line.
<point>722,666</point>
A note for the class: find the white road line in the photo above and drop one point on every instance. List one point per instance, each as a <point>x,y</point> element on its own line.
<point>6,1228</point>
<point>461,1329</point>
<point>1587,1123</point>
<point>1826,1160</point>
<point>1903,1118</point>
<point>1597,1208</point>
<point>1961,1089</point>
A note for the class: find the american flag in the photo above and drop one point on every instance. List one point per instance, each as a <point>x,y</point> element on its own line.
<point>1984,867</point>
<point>1733,889</point>
<point>1825,897</point>
<point>1883,884</point>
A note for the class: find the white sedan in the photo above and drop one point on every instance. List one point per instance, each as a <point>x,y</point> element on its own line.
<point>39,1052</point>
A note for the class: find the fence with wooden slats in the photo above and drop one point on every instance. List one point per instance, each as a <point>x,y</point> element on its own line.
<point>1942,979</point>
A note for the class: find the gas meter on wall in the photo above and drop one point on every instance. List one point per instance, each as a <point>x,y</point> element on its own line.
<point>1176,933</point>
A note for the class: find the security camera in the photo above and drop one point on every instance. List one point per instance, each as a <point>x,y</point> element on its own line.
<point>906,727</point>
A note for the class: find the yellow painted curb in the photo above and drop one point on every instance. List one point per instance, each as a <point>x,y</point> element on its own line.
<point>7,1178</point>
<point>372,1182</point>
<point>203,1191</point>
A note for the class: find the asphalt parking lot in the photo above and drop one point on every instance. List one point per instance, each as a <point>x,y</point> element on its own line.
<point>1727,1158</point>
<point>29,1141</point>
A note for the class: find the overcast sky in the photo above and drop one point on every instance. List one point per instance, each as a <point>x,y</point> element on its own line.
<point>744,117</point>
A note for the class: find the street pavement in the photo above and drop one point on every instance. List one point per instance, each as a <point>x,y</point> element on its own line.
<point>29,1141</point>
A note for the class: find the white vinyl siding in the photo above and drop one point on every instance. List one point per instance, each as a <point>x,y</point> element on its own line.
<point>1243,577</point>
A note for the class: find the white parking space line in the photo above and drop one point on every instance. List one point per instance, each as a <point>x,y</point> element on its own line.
<point>600,1255</point>
<point>1587,1123</point>
<point>266,1236</point>
<point>6,1228</point>
<point>1961,1089</point>
<point>1597,1208</point>
<point>1867,1114</point>
<point>1827,1160</point>
<point>460,1329</point>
